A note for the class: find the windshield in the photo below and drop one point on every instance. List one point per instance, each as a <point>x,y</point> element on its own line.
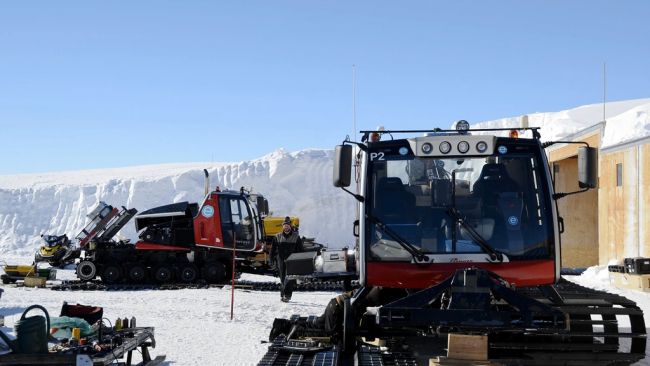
<point>430,202</point>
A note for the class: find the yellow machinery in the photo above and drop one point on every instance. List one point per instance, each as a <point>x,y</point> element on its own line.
<point>14,273</point>
<point>273,225</point>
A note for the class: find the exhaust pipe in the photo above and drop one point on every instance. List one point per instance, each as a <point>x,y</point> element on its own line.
<point>207,182</point>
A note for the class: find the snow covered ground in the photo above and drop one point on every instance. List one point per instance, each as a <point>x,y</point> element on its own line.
<point>193,327</point>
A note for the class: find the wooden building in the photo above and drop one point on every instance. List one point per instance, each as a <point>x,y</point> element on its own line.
<point>612,222</point>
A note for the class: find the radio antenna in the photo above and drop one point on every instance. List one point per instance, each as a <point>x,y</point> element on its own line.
<point>604,90</point>
<point>354,102</point>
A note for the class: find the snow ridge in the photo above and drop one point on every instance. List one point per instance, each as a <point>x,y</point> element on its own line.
<point>295,183</point>
<point>626,121</point>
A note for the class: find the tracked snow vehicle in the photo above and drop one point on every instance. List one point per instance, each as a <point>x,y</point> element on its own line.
<point>182,242</point>
<point>459,255</point>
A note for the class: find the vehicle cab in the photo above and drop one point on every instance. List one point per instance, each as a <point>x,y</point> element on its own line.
<point>434,202</point>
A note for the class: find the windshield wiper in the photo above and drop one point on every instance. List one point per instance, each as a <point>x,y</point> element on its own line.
<point>476,237</point>
<point>414,251</point>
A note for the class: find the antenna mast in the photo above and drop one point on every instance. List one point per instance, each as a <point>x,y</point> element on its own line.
<point>354,102</point>
<point>604,90</point>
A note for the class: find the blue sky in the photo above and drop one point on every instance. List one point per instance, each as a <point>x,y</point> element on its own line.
<point>95,84</point>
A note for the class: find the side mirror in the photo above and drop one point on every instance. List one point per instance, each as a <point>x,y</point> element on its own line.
<point>587,167</point>
<point>262,205</point>
<point>342,165</point>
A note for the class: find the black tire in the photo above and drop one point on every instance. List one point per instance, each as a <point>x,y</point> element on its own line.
<point>86,270</point>
<point>112,273</point>
<point>188,273</point>
<point>214,272</point>
<point>137,274</point>
<point>163,274</point>
<point>6,280</point>
<point>349,329</point>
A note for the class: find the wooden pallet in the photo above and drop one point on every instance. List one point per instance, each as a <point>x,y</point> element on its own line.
<point>630,281</point>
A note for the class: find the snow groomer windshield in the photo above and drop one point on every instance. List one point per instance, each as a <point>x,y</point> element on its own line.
<point>457,193</point>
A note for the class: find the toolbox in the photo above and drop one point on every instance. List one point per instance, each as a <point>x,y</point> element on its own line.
<point>301,263</point>
<point>637,265</point>
<point>334,261</point>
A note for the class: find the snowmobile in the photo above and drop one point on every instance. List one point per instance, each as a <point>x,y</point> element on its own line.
<point>57,251</point>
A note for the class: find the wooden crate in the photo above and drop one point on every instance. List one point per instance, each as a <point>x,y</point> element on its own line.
<point>467,347</point>
<point>630,281</point>
<point>35,281</point>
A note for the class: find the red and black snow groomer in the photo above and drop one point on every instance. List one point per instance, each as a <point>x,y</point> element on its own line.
<point>180,242</point>
<point>459,257</point>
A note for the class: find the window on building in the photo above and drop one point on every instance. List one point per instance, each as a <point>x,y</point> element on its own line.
<point>619,174</point>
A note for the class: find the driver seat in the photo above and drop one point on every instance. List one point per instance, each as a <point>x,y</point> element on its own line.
<point>500,196</point>
<point>393,203</point>
<point>494,179</point>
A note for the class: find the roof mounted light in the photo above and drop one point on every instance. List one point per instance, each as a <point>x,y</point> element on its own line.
<point>376,136</point>
<point>427,148</point>
<point>462,126</point>
<point>444,147</point>
<point>481,146</point>
<point>463,147</point>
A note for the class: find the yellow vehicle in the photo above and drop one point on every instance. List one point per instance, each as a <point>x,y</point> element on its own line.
<point>261,262</point>
<point>14,273</point>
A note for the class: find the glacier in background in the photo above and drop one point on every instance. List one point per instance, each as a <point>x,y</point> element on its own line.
<point>297,183</point>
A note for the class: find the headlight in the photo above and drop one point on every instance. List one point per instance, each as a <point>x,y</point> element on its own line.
<point>445,147</point>
<point>463,146</point>
<point>427,148</point>
<point>462,126</point>
<point>318,264</point>
<point>481,146</point>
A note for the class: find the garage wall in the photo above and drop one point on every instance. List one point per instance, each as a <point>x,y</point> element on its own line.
<point>580,213</point>
<point>624,226</point>
<point>580,240</point>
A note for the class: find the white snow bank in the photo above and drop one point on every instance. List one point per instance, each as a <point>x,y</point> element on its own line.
<point>297,183</point>
<point>631,125</point>
<point>626,120</point>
